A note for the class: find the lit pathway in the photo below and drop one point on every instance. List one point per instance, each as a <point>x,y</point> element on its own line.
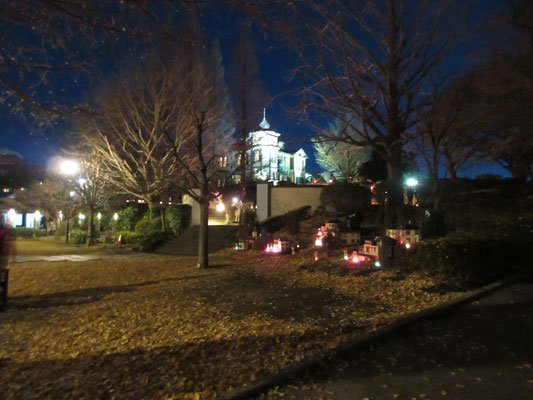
<point>483,351</point>
<point>83,257</point>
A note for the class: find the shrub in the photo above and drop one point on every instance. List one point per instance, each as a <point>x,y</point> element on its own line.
<point>178,217</point>
<point>432,225</point>
<point>128,237</point>
<point>128,217</point>
<point>78,237</point>
<point>345,198</point>
<point>146,225</point>
<point>153,240</point>
<point>473,258</point>
<point>28,232</point>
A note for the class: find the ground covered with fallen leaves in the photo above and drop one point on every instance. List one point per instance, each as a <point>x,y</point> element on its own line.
<point>160,328</point>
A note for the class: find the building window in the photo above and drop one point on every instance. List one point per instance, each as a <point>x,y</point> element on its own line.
<point>257,155</point>
<point>223,161</point>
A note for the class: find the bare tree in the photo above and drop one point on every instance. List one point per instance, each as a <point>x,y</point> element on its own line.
<point>127,136</point>
<point>248,95</point>
<point>50,48</point>
<point>52,197</point>
<point>371,60</point>
<point>89,188</point>
<point>446,134</point>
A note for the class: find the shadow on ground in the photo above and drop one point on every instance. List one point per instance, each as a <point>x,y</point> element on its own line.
<point>82,296</point>
<point>480,352</point>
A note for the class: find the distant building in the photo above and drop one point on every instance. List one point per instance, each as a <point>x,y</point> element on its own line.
<point>268,159</point>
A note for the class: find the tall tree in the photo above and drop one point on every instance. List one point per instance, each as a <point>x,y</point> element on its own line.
<point>504,87</point>
<point>446,134</point>
<point>127,135</point>
<point>196,141</point>
<point>371,60</point>
<point>90,188</point>
<point>248,93</point>
<point>51,47</point>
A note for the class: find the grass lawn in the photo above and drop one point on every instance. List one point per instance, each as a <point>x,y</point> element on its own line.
<point>160,328</point>
<point>50,246</point>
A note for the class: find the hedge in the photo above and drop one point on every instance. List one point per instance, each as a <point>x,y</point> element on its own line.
<point>28,232</point>
<point>474,258</point>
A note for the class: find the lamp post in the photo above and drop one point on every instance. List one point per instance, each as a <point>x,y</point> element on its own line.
<point>68,168</point>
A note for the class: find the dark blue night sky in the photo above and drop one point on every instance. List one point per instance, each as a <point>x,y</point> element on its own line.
<point>38,144</point>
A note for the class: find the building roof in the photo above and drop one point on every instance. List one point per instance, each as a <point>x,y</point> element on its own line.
<point>264,123</point>
<point>293,152</point>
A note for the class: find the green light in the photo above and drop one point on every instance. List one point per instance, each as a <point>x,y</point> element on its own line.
<point>411,182</point>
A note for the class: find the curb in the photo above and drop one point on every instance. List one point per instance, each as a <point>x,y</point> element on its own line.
<point>282,376</point>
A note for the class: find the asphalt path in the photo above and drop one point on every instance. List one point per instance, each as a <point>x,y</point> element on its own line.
<point>481,351</point>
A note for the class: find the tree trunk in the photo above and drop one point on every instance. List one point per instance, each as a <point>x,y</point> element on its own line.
<point>163,218</point>
<point>394,197</point>
<point>90,227</point>
<point>67,230</point>
<point>203,240</point>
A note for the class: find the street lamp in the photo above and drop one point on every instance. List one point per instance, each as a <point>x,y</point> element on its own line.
<point>69,167</point>
<point>411,182</point>
<point>37,219</point>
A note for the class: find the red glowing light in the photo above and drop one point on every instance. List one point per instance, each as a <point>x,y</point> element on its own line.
<point>316,258</point>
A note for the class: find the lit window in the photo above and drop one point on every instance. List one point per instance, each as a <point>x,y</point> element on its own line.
<point>257,155</point>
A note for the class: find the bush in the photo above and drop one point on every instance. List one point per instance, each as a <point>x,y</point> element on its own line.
<point>473,258</point>
<point>178,217</point>
<point>128,237</point>
<point>128,217</point>
<point>153,240</point>
<point>345,198</point>
<point>78,237</point>
<point>432,225</point>
<point>147,225</point>
<point>28,232</point>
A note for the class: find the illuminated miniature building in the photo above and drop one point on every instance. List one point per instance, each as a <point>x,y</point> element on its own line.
<point>279,246</point>
<point>404,236</point>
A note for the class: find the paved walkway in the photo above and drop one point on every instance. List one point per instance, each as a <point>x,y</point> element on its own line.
<point>483,351</point>
<point>83,257</point>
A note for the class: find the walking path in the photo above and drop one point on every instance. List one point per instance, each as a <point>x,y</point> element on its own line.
<point>482,351</point>
<point>83,257</point>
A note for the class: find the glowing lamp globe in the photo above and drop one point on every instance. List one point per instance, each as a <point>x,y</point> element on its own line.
<point>220,207</point>
<point>411,182</point>
<point>69,167</point>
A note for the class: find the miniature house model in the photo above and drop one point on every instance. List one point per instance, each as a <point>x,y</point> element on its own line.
<point>349,238</point>
<point>280,245</point>
<point>404,236</point>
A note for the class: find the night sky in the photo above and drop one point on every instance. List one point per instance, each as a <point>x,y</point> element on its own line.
<point>37,144</point>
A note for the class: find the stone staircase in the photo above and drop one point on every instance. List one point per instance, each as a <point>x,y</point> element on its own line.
<point>220,237</point>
